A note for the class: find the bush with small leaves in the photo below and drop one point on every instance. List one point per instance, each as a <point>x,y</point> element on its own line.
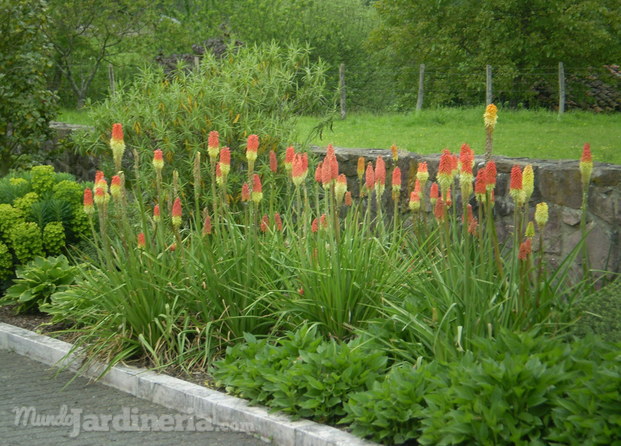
<point>6,262</point>
<point>42,178</point>
<point>53,238</point>
<point>9,216</point>
<point>26,241</point>
<point>69,191</point>
<point>25,203</point>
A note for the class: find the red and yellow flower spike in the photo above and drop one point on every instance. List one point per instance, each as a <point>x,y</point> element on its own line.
<point>516,186</point>
<point>245,192</point>
<point>89,208</point>
<point>116,188</point>
<point>445,172</point>
<point>299,169</point>
<point>396,183</point>
<point>213,145</point>
<point>156,213</point>
<point>158,160</point>
<point>370,177</point>
<point>340,188</point>
<point>348,199</point>
<point>490,175</point>
<point>434,193</point>
<point>422,174</point>
<point>141,241</point>
<point>414,203</point>
<point>439,210</point>
<point>176,213</point>
<point>117,144</point>
<point>319,172</point>
<point>525,249</point>
<point>289,157</point>
<point>360,168</point>
<point>252,148</point>
<point>257,189</point>
<point>380,176</point>
<point>225,161</point>
<point>219,175</point>
<point>480,185</point>
<point>586,164</point>
<point>265,223</point>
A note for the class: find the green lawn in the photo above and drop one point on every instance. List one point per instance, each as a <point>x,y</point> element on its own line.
<point>519,133</point>
<point>533,134</point>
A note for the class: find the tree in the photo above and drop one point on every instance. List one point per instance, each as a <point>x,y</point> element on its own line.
<point>26,105</point>
<point>520,38</point>
<point>86,34</point>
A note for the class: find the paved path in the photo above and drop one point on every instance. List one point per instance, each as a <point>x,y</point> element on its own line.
<point>29,391</point>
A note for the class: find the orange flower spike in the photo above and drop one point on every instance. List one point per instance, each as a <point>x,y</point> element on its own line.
<point>380,176</point>
<point>115,187</point>
<point>439,210</point>
<point>100,180</point>
<point>340,188</point>
<point>176,213</point>
<point>289,156</point>
<point>394,150</point>
<point>334,168</point>
<point>445,171</point>
<point>213,145</point>
<point>323,222</point>
<point>448,200</point>
<point>89,209</point>
<point>278,221</point>
<point>245,192</point>
<point>396,180</point>
<point>330,151</point>
<point>219,175</point>
<point>466,158</point>
<point>305,165</point>
<point>360,168</point>
<point>251,148</point>
<point>298,172</point>
<point>326,173</point>
<point>422,173</point>
<point>586,164</point>
<point>315,225</point>
<point>480,186</point>
<point>257,189</point>
<point>515,187</point>
<point>319,172</point>
<point>141,241</point>
<point>158,160</point>
<point>472,226</point>
<point>273,162</point>
<point>348,199</point>
<point>434,193</point>
<point>207,228</point>
<point>156,213</point>
<point>490,175</point>
<point>414,203</point>
<point>265,223</point>
<point>225,161</point>
<point>454,165</point>
<point>525,249</point>
<point>117,144</point>
<point>101,196</point>
<point>370,177</point>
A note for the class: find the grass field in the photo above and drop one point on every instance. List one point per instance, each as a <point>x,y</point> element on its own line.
<point>519,133</point>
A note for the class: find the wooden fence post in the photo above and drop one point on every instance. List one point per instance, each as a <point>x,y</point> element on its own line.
<point>342,91</point>
<point>488,85</point>
<point>421,89</point>
<point>111,78</point>
<point>561,88</point>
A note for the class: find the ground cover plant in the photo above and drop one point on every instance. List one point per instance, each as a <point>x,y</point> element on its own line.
<point>189,265</point>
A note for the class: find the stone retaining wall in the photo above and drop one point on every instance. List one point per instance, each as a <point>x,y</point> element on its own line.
<point>556,182</point>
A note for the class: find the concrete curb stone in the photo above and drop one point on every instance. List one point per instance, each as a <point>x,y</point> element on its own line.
<point>216,407</point>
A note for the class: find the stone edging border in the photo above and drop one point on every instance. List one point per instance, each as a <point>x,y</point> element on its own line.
<point>173,393</point>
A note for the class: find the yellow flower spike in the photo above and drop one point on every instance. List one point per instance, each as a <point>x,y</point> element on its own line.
<point>541,214</point>
<point>490,116</point>
<point>530,229</point>
<point>528,182</point>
